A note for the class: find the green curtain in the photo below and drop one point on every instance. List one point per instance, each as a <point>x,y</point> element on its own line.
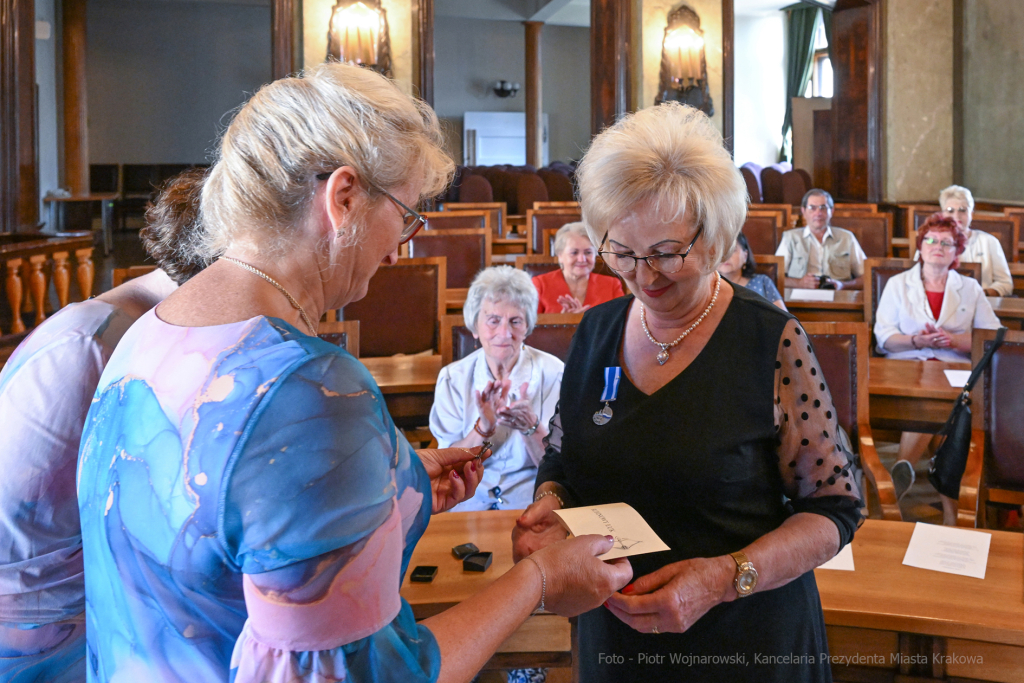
<point>826,18</point>
<point>800,20</point>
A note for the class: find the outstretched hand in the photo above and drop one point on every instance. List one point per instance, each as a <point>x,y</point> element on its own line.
<point>454,473</point>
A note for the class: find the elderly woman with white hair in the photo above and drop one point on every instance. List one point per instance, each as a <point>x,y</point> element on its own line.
<point>248,507</point>
<point>703,407</point>
<point>504,392</point>
<point>574,287</point>
<point>958,203</point>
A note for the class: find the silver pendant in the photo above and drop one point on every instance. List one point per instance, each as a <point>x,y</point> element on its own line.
<point>662,356</point>
<point>602,416</point>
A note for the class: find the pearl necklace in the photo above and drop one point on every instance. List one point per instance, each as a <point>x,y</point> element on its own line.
<point>291,299</point>
<point>663,354</point>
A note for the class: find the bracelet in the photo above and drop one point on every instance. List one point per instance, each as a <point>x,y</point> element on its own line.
<point>543,583</point>
<point>532,430</point>
<point>486,435</point>
<point>550,493</point>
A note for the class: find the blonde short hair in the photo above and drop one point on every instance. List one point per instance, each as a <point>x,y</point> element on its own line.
<point>669,159</point>
<point>956,192</point>
<point>562,236</point>
<point>332,115</point>
<point>501,283</point>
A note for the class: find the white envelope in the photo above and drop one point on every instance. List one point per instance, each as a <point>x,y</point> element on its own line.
<point>633,536</point>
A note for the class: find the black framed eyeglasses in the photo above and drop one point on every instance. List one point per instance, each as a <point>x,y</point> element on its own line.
<point>663,263</point>
<point>412,219</point>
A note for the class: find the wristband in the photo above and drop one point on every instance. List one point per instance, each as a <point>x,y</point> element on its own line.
<point>550,493</point>
<point>532,430</point>
<point>486,435</point>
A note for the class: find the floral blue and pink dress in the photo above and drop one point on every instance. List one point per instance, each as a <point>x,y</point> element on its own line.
<point>248,512</point>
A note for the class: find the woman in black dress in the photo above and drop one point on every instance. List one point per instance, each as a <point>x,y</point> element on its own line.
<point>722,432</point>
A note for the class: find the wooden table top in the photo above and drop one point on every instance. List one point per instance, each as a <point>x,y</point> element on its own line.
<point>404,374</point>
<point>882,593</point>
<point>915,378</point>
<point>885,594</point>
<point>1007,307</point>
<point>846,299</point>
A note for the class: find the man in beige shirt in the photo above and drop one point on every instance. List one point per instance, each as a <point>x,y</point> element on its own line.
<point>820,249</point>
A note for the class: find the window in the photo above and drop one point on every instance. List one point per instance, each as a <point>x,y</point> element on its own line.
<point>820,83</point>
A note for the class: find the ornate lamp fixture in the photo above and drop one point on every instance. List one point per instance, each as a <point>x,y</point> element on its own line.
<point>358,34</point>
<point>684,71</point>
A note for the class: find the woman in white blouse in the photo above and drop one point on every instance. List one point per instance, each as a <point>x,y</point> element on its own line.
<point>958,203</point>
<point>928,312</point>
<point>504,392</point>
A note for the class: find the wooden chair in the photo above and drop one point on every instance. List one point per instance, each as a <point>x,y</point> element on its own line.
<point>787,217</point>
<point>122,275</point>
<point>537,206</point>
<point>877,273</point>
<point>559,186</point>
<point>794,187</point>
<point>867,208</point>
<point>536,264</point>
<point>539,220</point>
<point>915,215</point>
<point>1017,273</point>
<point>763,230</point>
<point>402,307</point>
<point>753,188</point>
<point>475,188</point>
<point>1004,229</point>
<point>552,334</point>
<point>468,252</point>
<point>842,352</point>
<point>498,211</point>
<point>1017,211</point>
<point>529,189</point>
<point>995,468</point>
<point>774,267</point>
<point>457,220</point>
<point>343,333</point>
<point>872,230</point>
<point>771,186</point>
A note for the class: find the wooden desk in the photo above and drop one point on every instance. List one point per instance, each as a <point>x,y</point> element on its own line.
<point>847,307</point>
<point>407,383</point>
<point>885,609</point>
<point>1010,311</point>
<point>544,640</point>
<point>106,200</point>
<point>911,394</point>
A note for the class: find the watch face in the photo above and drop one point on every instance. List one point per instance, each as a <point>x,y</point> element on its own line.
<point>746,581</point>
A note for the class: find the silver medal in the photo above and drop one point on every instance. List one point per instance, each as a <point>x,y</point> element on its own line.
<point>602,416</point>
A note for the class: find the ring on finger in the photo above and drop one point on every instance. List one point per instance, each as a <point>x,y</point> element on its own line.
<point>655,630</point>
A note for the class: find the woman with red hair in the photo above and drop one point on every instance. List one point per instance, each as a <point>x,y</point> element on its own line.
<point>926,313</point>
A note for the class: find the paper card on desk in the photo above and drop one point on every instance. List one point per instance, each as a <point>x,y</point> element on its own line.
<point>843,561</point>
<point>633,536</point>
<point>812,295</point>
<point>957,378</point>
<point>948,549</point>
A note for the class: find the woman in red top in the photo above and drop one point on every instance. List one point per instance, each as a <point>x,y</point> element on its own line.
<point>574,287</point>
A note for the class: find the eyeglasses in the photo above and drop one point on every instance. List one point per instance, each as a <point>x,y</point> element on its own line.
<point>953,209</point>
<point>945,244</point>
<point>663,263</point>
<point>816,207</point>
<point>412,220</point>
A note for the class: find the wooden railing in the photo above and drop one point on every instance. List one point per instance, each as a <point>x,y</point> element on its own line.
<point>32,259</point>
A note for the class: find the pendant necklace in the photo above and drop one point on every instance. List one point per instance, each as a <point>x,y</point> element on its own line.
<point>663,354</point>
<point>291,299</point>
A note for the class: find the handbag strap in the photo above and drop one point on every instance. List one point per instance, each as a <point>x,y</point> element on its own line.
<point>983,363</point>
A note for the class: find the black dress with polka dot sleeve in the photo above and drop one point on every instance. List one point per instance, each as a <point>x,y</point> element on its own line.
<point>723,454</point>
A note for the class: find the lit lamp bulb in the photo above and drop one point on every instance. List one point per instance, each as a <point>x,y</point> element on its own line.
<point>356,31</point>
<point>683,47</point>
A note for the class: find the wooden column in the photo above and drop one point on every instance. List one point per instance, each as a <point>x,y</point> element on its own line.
<point>534,96</point>
<point>728,74</point>
<point>610,73</point>
<point>423,50</point>
<point>76,110</point>
<point>285,37</point>
<point>19,182</point>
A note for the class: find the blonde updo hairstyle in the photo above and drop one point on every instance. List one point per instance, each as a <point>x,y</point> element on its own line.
<point>332,115</point>
<point>669,160</point>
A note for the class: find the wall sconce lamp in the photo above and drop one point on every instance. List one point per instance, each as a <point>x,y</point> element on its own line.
<point>506,88</point>
<point>684,71</point>
<point>358,34</point>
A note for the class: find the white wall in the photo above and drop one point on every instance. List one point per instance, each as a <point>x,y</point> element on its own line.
<point>162,75</point>
<point>760,88</point>
<point>471,54</point>
<point>47,83</point>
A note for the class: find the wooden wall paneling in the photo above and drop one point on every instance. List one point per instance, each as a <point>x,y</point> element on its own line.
<point>823,149</point>
<point>76,109</point>
<point>856,102</point>
<point>285,37</point>
<point>728,74</point>
<point>423,50</point>
<point>19,179</point>
<point>958,91</point>
<point>610,73</point>
<point>534,95</point>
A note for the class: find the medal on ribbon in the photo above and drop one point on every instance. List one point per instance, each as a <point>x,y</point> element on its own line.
<point>611,390</point>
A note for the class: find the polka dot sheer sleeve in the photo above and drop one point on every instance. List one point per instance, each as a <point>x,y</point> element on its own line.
<point>814,460</point>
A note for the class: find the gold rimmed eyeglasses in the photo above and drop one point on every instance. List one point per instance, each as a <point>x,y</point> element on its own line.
<point>412,220</point>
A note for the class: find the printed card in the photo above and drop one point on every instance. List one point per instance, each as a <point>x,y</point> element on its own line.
<point>633,535</point>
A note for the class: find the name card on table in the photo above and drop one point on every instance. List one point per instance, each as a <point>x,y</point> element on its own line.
<point>633,535</point>
<point>812,295</point>
<point>948,549</point>
<point>957,378</point>
<point>843,561</point>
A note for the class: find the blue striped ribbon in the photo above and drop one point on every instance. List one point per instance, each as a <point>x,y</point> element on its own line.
<point>611,383</point>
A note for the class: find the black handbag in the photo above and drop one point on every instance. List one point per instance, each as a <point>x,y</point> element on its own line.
<point>950,460</point>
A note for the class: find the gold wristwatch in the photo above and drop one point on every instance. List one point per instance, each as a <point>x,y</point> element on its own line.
<point>746,575</point>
